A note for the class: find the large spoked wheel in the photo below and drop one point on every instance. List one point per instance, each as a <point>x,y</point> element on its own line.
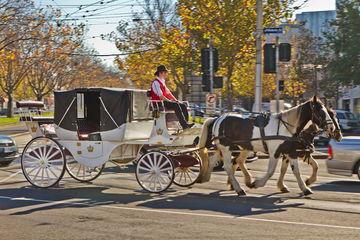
<point>155,172</point>
<point>81,172</point>
<point>43,162</point>
<point>188,175</point>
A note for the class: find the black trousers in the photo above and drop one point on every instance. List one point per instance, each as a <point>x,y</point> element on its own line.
<point>180,111</point>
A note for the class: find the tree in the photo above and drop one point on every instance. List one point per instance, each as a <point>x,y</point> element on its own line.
<point>231,25</point>
<point>19,20</point>
<point>14,64</point>
<point>54,65</point>
<point>342,50</point>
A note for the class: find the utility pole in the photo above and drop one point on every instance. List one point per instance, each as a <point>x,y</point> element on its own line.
<point>277,75</point>
<point>258,77</point>
<point>211,65</point>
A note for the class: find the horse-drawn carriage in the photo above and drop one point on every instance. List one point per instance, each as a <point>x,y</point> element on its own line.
<point>94,125</point>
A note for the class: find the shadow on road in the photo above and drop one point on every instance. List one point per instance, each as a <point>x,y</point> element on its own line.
<point>82,197</point>
<point>26,200</point>
<point>230,204</point>
<point>339,186</point>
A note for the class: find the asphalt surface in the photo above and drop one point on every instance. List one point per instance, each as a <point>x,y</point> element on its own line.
<point>115,207</point>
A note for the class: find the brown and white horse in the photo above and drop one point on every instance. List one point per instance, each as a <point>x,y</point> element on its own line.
<point>337,135</point>
<point>233,130</point>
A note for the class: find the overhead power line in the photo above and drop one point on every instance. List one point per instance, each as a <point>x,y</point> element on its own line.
<point>111,55</point>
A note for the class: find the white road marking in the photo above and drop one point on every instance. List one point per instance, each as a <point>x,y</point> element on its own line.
<point>11,176</point>
<point>185,213</point>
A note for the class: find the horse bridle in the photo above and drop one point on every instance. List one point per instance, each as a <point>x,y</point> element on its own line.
<point>322,123</point>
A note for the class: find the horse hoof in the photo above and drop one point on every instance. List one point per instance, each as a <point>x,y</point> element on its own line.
<point>307,192</point>
<point>307,182</point>
<point>284,190</point>
<point>251,185</point>
<point>241,193</point>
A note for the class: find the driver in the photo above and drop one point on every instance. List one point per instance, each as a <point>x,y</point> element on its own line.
<point>159,91</point>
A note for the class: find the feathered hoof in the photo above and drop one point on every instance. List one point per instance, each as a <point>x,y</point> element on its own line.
<point>307,192</point>
<point>241,193</point>
<point>251,185</point>
<point>284,190</point>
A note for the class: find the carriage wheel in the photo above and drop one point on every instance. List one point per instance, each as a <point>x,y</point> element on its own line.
<point>187,176</point>
<point>155,172</point>
<point>81,172</point>
<point>43,162</point>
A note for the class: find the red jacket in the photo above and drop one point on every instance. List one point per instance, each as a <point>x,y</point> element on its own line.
<point>165,91</point>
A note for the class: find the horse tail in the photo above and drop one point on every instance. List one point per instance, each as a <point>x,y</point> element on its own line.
<point>206,133</point>
<point>204,142</point>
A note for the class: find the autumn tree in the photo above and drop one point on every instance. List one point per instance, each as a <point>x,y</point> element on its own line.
<point>14,64</point>
<point>341,50</point>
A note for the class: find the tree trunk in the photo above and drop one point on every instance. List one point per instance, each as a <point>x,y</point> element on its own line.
<point>10,112</point>
<point>39,97</point>
<point>230,101</point>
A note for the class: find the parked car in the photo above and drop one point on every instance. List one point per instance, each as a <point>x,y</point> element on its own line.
<point>8,150</point>
<point>344,156</point>
<point>347,120</point>
<point>196,110</point>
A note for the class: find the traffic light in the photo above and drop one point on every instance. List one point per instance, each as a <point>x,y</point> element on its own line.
<point>285,52</point>
<point>218,82</point>
<point>205,59</point>
<point>205,81</point>
<point>281,85</point>
<point>270,58</point>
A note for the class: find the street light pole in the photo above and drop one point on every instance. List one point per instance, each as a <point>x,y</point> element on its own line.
<point>258,76</point>
<point>211,65</point>
<point>277,75</point>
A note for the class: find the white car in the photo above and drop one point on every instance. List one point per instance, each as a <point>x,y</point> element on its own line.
<point>347,120</point>
<point>344,156</point>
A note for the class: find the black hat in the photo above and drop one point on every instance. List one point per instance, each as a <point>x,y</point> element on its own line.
<point>160,68</point>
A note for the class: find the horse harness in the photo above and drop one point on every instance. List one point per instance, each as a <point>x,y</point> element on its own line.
<point>302,140</point>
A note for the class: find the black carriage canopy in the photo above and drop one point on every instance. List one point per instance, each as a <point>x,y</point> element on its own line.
<point>99,109</point>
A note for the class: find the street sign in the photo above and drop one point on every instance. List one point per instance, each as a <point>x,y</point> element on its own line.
<point>210,103</point>
<point>274,30</point>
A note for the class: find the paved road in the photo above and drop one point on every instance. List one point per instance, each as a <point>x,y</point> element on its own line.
<point>115,207</point>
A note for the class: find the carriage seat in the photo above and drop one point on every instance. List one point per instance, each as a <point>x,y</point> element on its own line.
<point>40,120</point>
<point>172,122</point>
<point>30,104</point>
<point>87,130</point>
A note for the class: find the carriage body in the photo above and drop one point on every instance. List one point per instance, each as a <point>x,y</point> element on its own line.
<point>95,125</point>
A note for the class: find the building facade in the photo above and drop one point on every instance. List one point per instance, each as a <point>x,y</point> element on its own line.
<point>317,22</point>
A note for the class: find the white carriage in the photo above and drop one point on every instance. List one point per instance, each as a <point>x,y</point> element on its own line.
<point>94,125</point>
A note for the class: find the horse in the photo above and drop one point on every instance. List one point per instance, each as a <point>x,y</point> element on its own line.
<point>337,135</point>
<point>234,130</point>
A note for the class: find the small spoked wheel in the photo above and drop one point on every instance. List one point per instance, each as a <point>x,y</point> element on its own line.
<point>186,176</point>
<point>43,162</point>
<point>81,172</point>
<point>155,172</point>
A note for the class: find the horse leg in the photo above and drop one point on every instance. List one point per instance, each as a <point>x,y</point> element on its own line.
<point>204,171</point>
<point>241,160</point>
<point>295,168</point>
<point>228,168</point>
<point>284,166</point>
<point>271,169</point>
<point>233,169</point>
<point>315,167</point>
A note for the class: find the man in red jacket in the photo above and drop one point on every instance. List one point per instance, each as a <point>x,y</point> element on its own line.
<point>159,91</point>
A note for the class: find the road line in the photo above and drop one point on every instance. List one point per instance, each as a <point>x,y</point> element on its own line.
<point>11,176</point>
<point>186,213</point>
